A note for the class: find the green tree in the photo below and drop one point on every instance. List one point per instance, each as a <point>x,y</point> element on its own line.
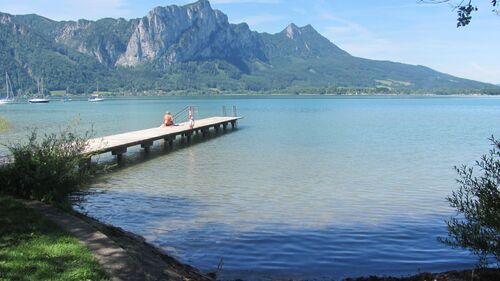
<point>476,225</point>
<point>464,9</point>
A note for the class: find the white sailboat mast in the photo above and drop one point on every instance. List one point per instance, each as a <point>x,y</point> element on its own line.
<point>7,84</point>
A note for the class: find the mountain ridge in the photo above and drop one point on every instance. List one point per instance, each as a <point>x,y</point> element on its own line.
<point>191,47</point>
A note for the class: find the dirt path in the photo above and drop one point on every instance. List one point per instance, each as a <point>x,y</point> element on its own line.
<point>123,255</point>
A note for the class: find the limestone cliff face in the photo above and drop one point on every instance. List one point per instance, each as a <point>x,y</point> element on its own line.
<point>167,35</point>
<point>104,39</point>
<point>192,32</point>
<point>5,19</point>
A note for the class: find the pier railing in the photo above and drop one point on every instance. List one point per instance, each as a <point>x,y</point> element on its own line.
<point>183,114</point>
<point>224,111</point>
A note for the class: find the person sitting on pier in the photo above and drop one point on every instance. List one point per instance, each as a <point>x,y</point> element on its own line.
<point>168,120</point>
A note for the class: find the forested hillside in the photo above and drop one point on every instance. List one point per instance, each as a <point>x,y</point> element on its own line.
<point>193,47</point>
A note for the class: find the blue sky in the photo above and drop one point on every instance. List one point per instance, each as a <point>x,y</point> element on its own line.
<point>396,30</point>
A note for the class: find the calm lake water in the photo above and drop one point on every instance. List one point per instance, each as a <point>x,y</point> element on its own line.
<point>315,188</point>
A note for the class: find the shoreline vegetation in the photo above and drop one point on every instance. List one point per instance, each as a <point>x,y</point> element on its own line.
<point>299,91</point>
<point>113,95</point>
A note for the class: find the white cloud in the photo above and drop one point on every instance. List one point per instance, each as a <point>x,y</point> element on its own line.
<point>69,9</point>
<point>259,19</point>
<point>472,70</point>
<point>245,1</point>
<point>357,39</point>
<point>360,41</point>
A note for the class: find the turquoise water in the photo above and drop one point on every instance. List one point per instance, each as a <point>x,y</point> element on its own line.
<point>315,188</point>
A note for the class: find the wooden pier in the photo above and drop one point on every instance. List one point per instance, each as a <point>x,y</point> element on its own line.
<point>118,144</point>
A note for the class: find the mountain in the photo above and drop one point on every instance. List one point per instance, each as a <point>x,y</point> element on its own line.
<point>194,32</point>
<point>192,47</point>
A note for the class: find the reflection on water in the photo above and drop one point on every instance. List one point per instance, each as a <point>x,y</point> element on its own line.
<point>307,187</point>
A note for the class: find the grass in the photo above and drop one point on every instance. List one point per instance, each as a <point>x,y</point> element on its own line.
<point>33,248</point>
<point>58,93</point>
<point>4,124</point>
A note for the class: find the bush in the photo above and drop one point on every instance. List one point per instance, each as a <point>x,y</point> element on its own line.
<point>46,169</point>
<point>476,225</point>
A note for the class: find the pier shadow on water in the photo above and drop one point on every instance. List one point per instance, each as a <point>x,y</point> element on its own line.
<point>136,155</point>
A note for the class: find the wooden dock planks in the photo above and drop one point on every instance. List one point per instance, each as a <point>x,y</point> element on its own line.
<point>118,144</point>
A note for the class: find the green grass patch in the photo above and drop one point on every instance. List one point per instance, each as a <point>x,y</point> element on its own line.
<point>391,82</point>
<point>58,93</point>
<point>33,248</point>
<point>4,124</point>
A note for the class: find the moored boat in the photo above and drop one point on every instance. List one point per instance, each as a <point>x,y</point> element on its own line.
<point>10,92</point>
<point>39,100</point>
<point>40,93</point>
<point>95,98</point>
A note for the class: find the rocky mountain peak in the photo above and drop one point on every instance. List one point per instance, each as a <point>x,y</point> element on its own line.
<point>179,33</point>
<point>308,29</point>
<point>292,31</point>
<point>5,18</point>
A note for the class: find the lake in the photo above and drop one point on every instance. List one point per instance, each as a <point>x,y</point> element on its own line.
<point>306,187</point>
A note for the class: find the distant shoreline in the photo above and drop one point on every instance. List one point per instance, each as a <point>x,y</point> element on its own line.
<point>229,94</point>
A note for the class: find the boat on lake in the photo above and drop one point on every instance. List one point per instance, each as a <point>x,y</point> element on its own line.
<point>39,100</point>
<point>66,99</point>
<point>42,99</point>
<point>96,97</point>
<point>9,92</point>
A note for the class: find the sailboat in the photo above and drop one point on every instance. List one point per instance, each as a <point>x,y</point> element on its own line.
<point>10,92</point>
<point>95,97</point>
<point>42,99</point>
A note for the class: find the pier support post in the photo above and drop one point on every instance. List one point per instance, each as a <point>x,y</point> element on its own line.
<point>204,132</point>
<point>217,127</point>
<point>224,126</point>
<point>169,140</point>
<point>119,153</point>
<point>147,146</point>
<point>188,135</point>
<point>233,124</point>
